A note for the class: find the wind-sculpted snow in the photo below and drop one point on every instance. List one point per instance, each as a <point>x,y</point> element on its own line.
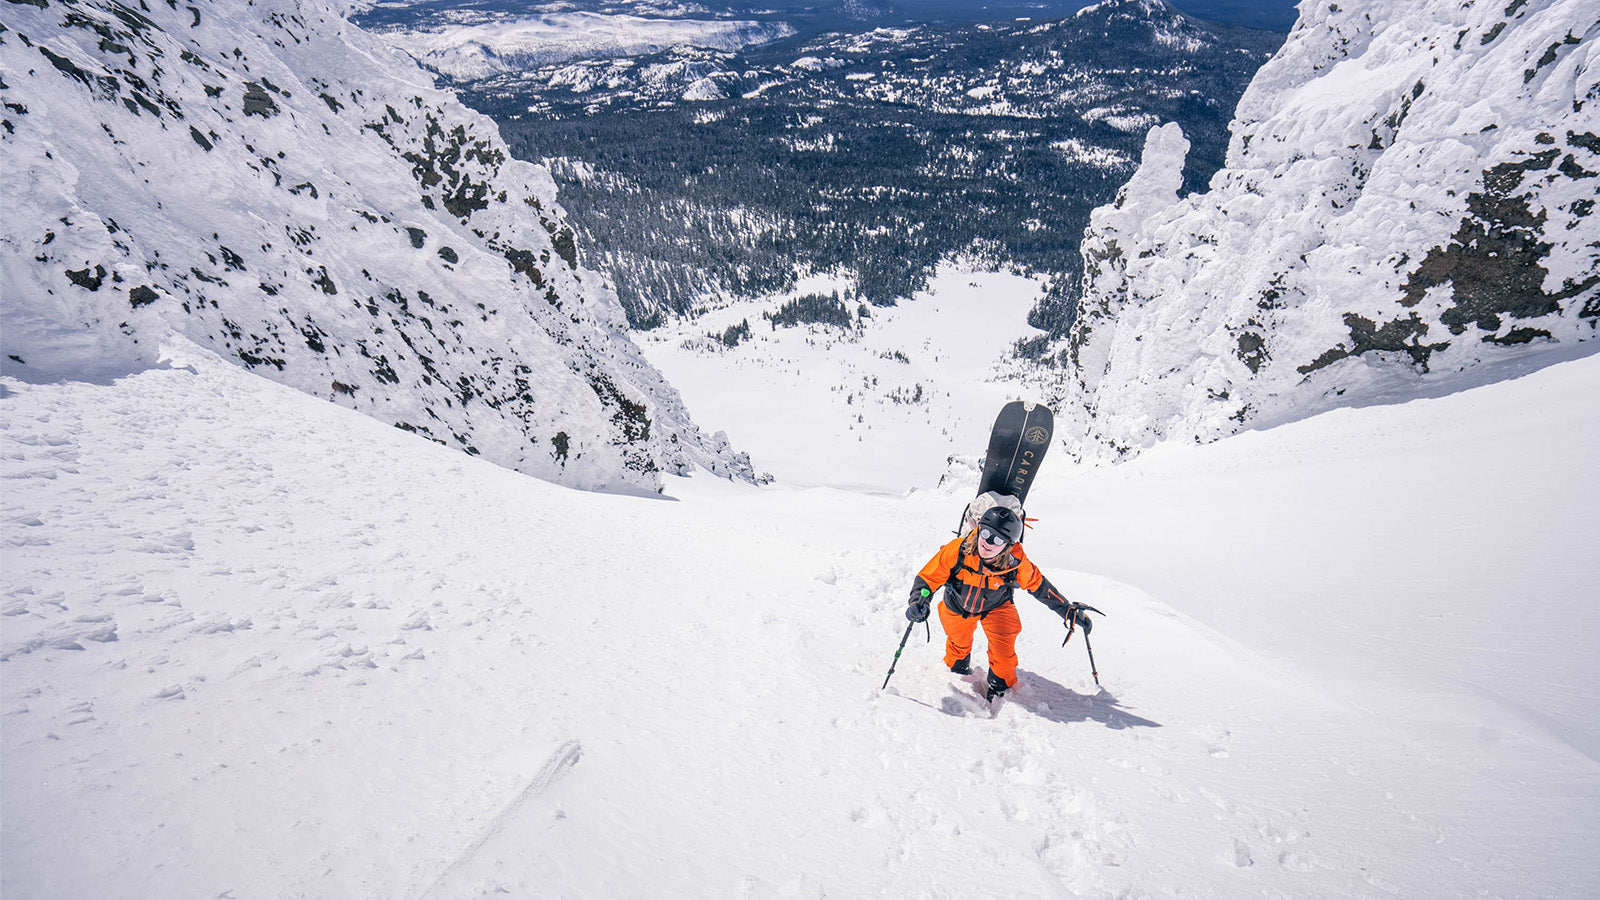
<point>1406,206</point>
<point>276,185</point>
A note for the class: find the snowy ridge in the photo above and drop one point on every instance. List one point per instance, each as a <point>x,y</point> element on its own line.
<point>278,186</point>
<point>1406,204</point>
<point>484,50</point>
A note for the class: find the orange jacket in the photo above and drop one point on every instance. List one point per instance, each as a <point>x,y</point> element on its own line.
<point>971,588</point>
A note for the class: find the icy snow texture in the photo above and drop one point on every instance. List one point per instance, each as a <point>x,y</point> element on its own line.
<point>1406,206</point>
<point>279,186</point>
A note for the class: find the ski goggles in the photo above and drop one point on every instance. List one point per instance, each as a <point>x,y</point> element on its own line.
<point>994,538</point>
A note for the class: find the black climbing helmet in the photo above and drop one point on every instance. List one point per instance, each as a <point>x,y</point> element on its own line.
<point>1001,521</point>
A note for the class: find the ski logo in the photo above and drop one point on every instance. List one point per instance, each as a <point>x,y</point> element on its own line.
<point>1023,472</point>
<point>1036,435</point>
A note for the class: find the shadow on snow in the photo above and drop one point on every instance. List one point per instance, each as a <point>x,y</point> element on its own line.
<point>1048,700</point>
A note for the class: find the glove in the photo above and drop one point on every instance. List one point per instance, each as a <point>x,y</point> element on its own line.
<point>1077,614</point>
<point>917,608</point>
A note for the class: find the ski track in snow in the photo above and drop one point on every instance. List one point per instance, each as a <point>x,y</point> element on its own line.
<point>452,882</point>
<point>256,645</point>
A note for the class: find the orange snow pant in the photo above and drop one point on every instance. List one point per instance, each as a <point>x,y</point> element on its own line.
<point>1001,626</point>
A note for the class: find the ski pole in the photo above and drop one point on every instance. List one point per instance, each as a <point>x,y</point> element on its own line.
<point>903,639</point>
<point>896,660</point>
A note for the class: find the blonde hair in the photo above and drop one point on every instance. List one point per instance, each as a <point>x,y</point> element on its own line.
<point>969,545</point>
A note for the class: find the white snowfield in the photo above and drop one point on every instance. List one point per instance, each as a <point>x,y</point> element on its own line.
<point>467,52</point>
<point>258,645</point>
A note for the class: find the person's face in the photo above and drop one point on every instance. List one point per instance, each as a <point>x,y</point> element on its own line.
<point>991,544</point>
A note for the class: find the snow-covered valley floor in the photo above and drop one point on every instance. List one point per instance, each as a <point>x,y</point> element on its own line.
<point>255,645</point>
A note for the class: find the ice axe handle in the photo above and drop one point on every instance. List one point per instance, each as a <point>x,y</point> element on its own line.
<point>1072,621</point>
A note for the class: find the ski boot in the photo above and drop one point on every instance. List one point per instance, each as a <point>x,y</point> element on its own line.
<point>962,666</point>
<point>997,687</point>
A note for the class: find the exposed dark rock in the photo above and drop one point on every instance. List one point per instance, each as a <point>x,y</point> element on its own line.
<point>252,359</point>
<point>85,279</point>
<point>1398,335</point>
<point>1587,140</point>
<point>313,336</point>
<point>1252,350</point>
<point>383,371</point>
<point>1494,262</point>
<point>1519,336</point>
<point>325,283</point>
<point>1570,168</point>
<point>630,418</point>
<point>564,242</point>
<point>258,102</point>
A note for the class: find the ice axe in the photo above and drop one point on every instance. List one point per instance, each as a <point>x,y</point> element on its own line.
<point>1073,619</point>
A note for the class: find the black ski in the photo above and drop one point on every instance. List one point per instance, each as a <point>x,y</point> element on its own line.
<point>1021,435</point>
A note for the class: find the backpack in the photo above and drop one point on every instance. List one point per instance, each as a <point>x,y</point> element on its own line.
<point>985,502</point>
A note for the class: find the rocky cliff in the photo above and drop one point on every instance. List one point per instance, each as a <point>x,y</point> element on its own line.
<point>1406,208</point>
<point>272,183</point>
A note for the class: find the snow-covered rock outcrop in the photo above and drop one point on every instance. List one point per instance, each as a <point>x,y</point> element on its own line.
<point>1407,199</point>
<point>282,188</point>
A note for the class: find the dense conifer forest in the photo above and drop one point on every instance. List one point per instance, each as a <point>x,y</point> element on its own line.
<point>692,174</point>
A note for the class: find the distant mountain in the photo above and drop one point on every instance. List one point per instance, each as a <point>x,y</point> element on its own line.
<point>278,186</point>
<point>1407,207</point>
<point>698,173</point>
<point>809,18</point>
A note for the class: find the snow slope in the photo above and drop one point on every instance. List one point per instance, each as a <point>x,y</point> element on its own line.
<point>256,645</point>
<point>876,407</point>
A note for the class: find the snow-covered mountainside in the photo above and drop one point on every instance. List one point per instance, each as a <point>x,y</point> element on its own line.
<point>278,186</point>
<point>1406,205</point>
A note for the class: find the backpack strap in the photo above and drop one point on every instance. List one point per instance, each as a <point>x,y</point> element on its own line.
<point>961,563</point>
